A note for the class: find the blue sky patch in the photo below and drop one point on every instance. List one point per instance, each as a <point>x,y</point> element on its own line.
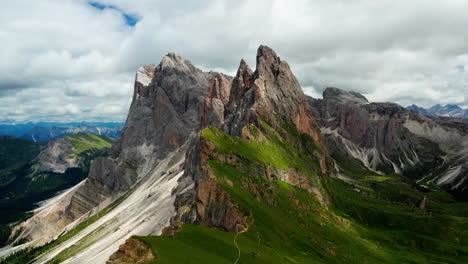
<point>130,19</point>
<point>461,67</point>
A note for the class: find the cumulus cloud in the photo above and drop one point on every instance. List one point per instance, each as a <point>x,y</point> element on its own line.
<point>75,60</point>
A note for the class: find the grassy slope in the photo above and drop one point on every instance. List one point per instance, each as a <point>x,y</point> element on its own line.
<point>372,220</point>
<point>86,141</point>
<point>20,191</point>
<point>14,154</point>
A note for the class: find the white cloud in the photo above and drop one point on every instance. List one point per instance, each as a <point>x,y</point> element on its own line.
<point>71,109</point>
<point>61,53</point>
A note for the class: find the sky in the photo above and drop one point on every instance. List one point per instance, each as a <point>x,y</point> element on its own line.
<point>75,60</point>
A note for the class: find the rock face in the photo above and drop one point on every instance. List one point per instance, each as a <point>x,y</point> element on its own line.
<point>340,96</point>
<point>163,158</point>
<point>164,112</point>
<point>166,108</point>
<point>387,138</point>
<point>272,88</point>
<point>164,117</point>
<point>172,102</point>
<point>133,251</point>
<point>269,94</point>
<point>57,156</point>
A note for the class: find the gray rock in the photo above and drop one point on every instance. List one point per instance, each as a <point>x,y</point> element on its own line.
<point>388,138</point>
<point>57,156</point>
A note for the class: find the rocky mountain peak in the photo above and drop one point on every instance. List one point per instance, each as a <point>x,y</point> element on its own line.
<point>243,64</point>
<point>267,57</point>
<point>175,61</point>
<point>220,86</point>
<point>275,86</point>
<point>271,93</point>
<point>338,95</point>
<point>240,84</point>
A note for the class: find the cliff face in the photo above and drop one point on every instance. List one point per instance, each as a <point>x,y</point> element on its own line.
<point>191,136</point>
<point>164,117</point>
<point>166,109</point>
<point>387,138</point>
<point>70,151</point>
<point>133,251</point>
<point>57,157</point>
<point>172,102</point>
<point>268,98</point>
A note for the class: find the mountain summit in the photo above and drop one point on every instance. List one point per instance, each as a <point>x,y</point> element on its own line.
<point>249,169</point>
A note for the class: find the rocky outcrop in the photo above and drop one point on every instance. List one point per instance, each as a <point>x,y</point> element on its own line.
<point>133,251</point>
<point>83,200</point>
<point>172,229</point>
<point>388,138</point>
<point>113,176</point>
<point>214,208</point>
<point>271,94</point>
<point>340,96</point>
<point>57,156</point>
<point>164,117</point>
<point>216,100</point>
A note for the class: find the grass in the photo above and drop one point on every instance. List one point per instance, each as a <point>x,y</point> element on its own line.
<point>262,151</point>
<point>372,221</point>
<point>353,168</point>
<point>15,153</point>
<point>85,141</point>
<point>20,190</point>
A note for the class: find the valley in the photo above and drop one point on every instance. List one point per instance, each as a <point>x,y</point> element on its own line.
<point>34,172</point>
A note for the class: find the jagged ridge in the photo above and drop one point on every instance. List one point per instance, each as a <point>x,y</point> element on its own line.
<point>246,155</point>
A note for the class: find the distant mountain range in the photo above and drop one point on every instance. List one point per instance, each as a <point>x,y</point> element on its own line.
<point>44,131</point>
<point>448,110</point>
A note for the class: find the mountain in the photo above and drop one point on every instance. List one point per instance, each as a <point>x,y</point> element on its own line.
<point>448,110</point>
<point>247,169</point>
<point>39,134</point>
<point>421,110</point>
<point>32,172</point>
<point>387,138</point>
<point>42,131</point>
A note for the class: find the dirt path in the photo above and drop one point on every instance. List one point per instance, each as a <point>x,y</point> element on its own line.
<point>238,248</point>
<point>235,240</point>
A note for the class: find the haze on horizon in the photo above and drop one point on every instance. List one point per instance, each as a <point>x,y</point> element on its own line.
<point>72,60</point>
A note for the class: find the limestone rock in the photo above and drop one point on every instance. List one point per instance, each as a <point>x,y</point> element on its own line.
<point>388,138</point>
<point>133,251</point>
<point>57,156</point>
